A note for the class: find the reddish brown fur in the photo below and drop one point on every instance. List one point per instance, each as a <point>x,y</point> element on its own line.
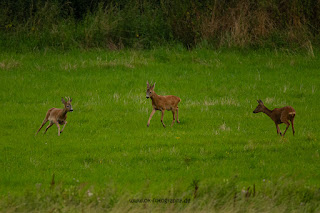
<point>57,116</point>
<point>162,103</point>
<point>278,115</point>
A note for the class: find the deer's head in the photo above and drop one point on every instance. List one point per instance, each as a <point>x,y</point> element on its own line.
<point>150,91</point>
<point>67,104</point>
<point>260,107</point>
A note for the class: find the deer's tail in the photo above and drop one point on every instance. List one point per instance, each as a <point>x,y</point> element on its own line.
<point>48,113</point>
<point>292,114</point>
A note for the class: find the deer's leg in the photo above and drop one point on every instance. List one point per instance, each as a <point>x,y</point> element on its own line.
<point>56,122</point>
<point>43,123</point>
<point>284,119</point>
<point>162,114</point>
<point>278,129</point>
<point>152,113</point>
<point>288,124</point>
<point>174,117</point>
<point>178,115</point>
<point>50,124</point>
<point>65,123</point>
<point>292,126</point>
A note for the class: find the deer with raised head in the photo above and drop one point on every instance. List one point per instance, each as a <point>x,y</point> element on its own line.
<point>162,103</point>
<point>278,115</point>
<point>57,116</point>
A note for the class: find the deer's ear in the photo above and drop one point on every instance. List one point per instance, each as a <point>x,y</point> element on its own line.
<point>148,84</point>
<point>153,85</point>
<point>63,101</point>
<point>70,100</point>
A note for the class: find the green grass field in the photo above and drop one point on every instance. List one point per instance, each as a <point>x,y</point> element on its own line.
<point>106,145</point>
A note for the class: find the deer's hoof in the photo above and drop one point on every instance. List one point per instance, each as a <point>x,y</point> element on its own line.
<point>148,125</point>
<point>178,122</point>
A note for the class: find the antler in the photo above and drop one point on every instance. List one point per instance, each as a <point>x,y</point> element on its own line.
<point>68,99</point>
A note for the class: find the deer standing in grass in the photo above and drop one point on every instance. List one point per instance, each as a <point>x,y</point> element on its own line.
<point>278,115</point>
<point>57,116</point>
<point>162,103</point>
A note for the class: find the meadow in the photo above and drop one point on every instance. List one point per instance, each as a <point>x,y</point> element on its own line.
<point>107,155</point>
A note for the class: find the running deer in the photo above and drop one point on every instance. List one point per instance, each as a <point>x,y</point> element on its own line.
<point>57,116</point>
<point>162,103</point>
<point>278,115</point>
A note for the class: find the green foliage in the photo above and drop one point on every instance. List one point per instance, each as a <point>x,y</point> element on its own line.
<point>280,196</point>
<point>145,24</point>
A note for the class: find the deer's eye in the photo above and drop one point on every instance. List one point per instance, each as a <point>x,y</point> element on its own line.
<point>150,92</point>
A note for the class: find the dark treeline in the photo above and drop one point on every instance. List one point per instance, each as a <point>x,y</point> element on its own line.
<point>146,23</point>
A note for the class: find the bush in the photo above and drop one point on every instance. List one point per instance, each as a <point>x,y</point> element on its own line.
<point>145,24</point>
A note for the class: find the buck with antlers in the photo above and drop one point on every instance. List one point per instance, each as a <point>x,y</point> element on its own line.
<point>163,103</point>
<point>278,115</point>
<point>57,116</point>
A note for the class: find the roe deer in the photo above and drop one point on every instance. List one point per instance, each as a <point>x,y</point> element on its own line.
<point>57,116</point>
<point>162,103</point>
<point>278,115</point>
